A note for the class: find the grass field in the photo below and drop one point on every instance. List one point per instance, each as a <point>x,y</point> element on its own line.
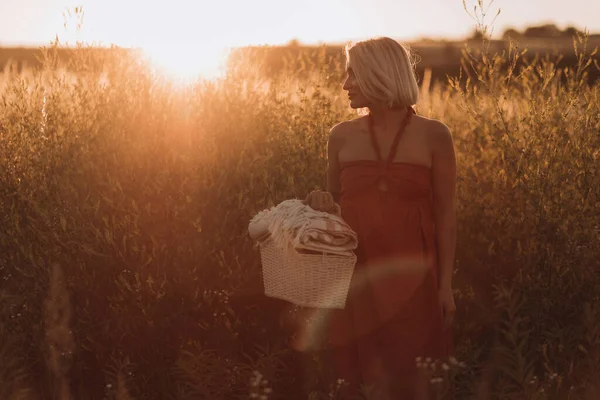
<point>127,272</point>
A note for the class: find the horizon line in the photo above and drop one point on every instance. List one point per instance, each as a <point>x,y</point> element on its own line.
<point>31,45</point>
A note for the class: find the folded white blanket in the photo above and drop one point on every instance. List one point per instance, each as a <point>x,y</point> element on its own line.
<point>296,224</point>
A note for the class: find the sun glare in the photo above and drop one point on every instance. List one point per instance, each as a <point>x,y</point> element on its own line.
<point>187,63</point>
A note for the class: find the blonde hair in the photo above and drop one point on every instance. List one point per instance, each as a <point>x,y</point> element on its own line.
<point>384,71</point>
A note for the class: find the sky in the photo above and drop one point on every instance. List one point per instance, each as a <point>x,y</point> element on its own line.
<point>219,23</point>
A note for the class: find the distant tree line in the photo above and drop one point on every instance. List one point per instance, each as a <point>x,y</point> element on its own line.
<point>545,31</point>
<point>541,31</point>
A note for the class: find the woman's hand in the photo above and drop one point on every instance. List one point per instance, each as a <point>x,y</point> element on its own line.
<point>446,297</point>
<point>319,200</point>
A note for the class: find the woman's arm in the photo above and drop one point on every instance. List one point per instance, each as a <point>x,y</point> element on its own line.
<point>334,145</point>
<point>444,193</point>
<point>326,201</point>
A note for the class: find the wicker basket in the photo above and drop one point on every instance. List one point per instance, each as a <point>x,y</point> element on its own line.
<point>308,280</point>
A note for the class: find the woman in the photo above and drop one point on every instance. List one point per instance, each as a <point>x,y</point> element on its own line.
<point>393,174</point>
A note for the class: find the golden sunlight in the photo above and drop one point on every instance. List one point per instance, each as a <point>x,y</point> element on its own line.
<point>186,63</point>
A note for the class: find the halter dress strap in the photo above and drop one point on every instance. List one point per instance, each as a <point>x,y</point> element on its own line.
<point>394,147</point>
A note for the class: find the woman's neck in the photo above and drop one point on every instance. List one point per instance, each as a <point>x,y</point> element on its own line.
<point>386,117</point>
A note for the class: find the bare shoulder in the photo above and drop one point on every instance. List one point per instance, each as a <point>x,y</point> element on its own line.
<point>346,127</point>
<point>438,134</point>
<point>340,131</point>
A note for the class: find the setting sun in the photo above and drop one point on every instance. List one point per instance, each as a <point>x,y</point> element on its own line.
<point>187,62</point>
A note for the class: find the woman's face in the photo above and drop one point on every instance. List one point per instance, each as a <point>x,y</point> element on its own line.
<point>355,95</point>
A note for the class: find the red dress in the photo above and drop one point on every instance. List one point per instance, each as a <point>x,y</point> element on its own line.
<point>393,313</point>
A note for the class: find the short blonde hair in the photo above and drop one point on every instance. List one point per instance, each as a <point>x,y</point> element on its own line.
<point>384,71</point>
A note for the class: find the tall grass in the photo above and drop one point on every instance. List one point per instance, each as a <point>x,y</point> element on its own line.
<point>125,263</point>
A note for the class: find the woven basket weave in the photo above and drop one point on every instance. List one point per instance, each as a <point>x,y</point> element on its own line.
<point>308,280</point>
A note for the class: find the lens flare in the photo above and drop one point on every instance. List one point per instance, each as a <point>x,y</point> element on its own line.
<point>311,325</point>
